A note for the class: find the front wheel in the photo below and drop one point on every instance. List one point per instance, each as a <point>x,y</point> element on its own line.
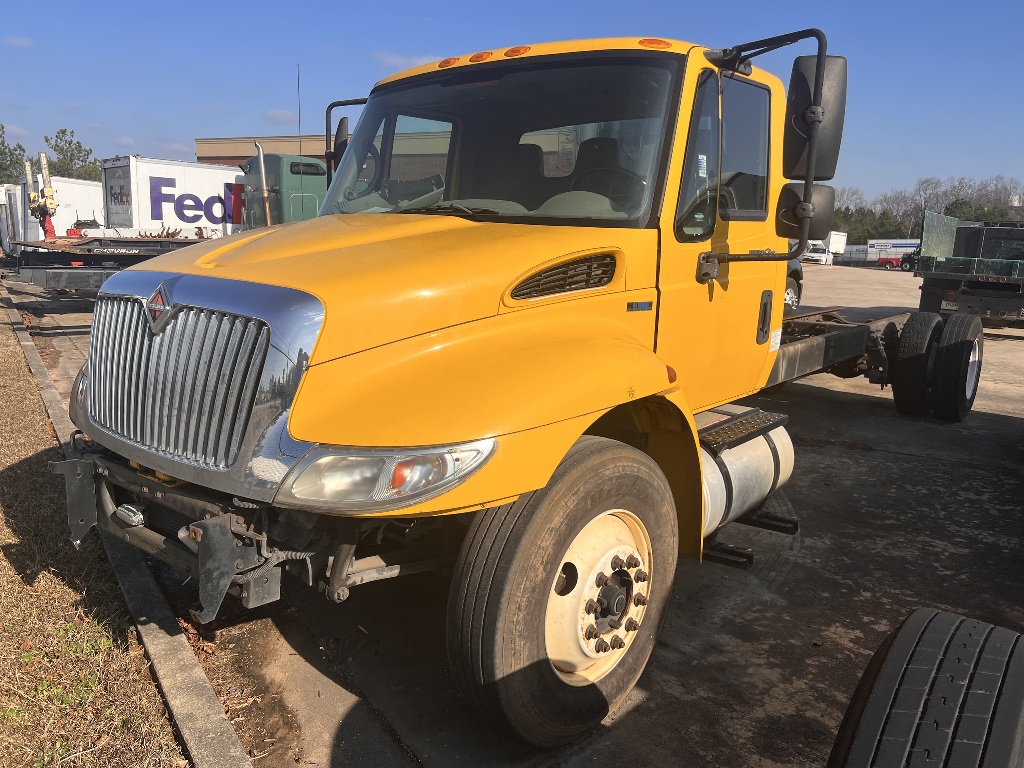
<point>887,266</point>
<point>792,297</point>
<point>557,599</point>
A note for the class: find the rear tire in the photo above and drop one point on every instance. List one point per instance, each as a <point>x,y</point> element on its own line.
<point>958,367</point>
<point>517,615</point>
<point>887,266</point>
<point>913,369</point>
<point>940,687</point>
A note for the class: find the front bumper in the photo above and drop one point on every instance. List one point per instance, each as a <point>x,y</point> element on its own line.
<point>217,545</point>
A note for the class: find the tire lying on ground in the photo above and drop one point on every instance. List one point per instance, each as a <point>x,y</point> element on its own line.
<point>942,690</point>
<point>913,369</point>
<point>557,599</point>
<point>958,367</point>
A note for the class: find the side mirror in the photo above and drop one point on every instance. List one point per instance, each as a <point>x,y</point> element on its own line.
<point>340,142</point>
<point>787,216</point>
<point>833,114</point>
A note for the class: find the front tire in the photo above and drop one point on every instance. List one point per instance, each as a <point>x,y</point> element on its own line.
<point>792,297</point>
<point>546,634</point>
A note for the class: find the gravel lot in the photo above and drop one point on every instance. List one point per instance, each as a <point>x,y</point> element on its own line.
<point>755,667</point>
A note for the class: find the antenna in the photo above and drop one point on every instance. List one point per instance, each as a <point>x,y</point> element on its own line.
<point>302,176</point>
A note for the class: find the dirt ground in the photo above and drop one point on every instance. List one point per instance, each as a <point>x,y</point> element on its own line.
<point>754,667</point>
<point>75,688</point>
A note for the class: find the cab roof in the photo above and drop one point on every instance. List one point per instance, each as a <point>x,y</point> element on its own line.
<point>545,49</point>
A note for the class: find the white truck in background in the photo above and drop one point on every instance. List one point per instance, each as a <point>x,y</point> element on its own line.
<point>142,207</point>
<point>145,195</point>
<point>824,251</point>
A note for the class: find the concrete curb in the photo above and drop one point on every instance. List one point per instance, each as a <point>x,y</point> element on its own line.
<point>209,737</point>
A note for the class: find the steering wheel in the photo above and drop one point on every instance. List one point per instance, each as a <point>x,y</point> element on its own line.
<point>378,170</point>
<point>622,187</point>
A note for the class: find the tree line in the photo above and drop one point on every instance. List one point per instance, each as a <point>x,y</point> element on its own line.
<point>899,214</point>
<point>66,156</point>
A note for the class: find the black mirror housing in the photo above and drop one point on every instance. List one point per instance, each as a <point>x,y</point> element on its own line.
<point>787,216</point>
<point>340,142</point>
<point>833,115</point>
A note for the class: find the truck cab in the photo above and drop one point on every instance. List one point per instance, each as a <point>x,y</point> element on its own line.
<point>510,344</point>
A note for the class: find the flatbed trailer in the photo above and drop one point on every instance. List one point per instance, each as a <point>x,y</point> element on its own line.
<point>972,267</point>
<point>84,263</point>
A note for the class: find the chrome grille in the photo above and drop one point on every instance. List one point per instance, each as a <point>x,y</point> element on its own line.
<point>187,391</point>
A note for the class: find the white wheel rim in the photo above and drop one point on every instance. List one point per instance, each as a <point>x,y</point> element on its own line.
<point>578,658</point>
<point>973,369</point>
<point>790,297</point>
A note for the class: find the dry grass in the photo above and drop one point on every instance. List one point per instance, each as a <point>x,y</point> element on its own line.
<point>75,689</point>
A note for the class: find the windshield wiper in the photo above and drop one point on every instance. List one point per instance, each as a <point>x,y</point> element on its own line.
<point>448,208</point>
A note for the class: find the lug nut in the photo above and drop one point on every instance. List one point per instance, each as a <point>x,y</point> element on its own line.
<point>592,632</point>
<point>601,646</point>
<point>602,580</point>
<point>617,643</point>
<point>640,576</point>
<point>617,563</point>
<point>632,561</point>
<point>639,599</point>
<point>592,606</point>
<point>632,625</point>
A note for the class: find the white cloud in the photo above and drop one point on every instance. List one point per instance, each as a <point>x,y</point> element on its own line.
<point>397,61</point>
<point>282,116</point>
<point>124,141</point>
<point>178,147</point>
<point>18,42</point>
<point>14,131</point>
<point>94,126</point>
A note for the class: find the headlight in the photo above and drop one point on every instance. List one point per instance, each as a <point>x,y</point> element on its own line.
<point>370,480</point>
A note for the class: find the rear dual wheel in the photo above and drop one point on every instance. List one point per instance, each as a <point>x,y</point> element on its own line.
<point>938,365</point>
<point>558,598</point>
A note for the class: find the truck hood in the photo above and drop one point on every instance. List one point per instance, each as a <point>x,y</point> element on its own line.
<point>387,277</point>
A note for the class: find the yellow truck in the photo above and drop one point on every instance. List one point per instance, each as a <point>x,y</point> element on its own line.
<point>510,345</point>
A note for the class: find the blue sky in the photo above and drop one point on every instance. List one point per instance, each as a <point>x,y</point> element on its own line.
<point>935,87</point>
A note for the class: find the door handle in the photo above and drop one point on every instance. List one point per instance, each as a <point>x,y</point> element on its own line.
<point>764,318</point>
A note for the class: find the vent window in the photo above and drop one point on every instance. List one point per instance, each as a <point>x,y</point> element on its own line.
<point>576,275</point>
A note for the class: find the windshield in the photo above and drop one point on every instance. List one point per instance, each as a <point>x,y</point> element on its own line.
<point>570,139</point>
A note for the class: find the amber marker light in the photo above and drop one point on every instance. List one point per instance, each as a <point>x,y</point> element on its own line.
<point>671,374</point>
<point>653,42</point>
<point>446,63</point>
<point>519,50</point>
<point>482,56</point>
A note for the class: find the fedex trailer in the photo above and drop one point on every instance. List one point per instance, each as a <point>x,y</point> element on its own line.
<point>148,195</point>
<point>887,254</point>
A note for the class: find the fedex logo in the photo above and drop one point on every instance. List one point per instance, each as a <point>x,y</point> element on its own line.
<point>190,208</point>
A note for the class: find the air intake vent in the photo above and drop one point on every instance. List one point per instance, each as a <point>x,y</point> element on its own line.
<point>576,275</point>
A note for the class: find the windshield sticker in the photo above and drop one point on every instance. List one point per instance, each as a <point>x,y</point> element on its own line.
<point>702,166</point>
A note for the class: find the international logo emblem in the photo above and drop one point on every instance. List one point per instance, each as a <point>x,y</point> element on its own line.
<point>158,309</point>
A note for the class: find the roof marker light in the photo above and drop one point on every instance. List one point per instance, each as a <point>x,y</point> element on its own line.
<point>482,56</point>
<point>653,42</point>
<point>518,50</point>
<point>443,63</point>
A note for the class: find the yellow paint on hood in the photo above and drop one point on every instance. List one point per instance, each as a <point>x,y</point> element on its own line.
<point>387,277</point>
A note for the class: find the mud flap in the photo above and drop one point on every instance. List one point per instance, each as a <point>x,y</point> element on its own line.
<point>81,492</point>
<point>219,560</point>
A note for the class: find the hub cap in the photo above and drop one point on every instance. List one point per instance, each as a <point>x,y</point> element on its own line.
<point>598,597</point>
<point>973,369</point>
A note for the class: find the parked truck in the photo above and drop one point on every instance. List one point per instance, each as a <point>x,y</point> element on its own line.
<point>972,267</point>
<point>510,356</point>
<point>889,254</point>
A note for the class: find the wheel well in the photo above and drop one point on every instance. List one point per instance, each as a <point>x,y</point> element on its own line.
<point>657,427</point>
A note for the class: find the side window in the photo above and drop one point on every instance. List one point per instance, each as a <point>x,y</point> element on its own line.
<point>744,192</point>
<point>420,149</point>
<point>698,193</point>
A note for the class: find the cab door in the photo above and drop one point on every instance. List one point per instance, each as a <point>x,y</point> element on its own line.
<point>720,335</point>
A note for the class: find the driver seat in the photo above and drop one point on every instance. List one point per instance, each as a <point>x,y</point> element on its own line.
<point>599,152</point>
